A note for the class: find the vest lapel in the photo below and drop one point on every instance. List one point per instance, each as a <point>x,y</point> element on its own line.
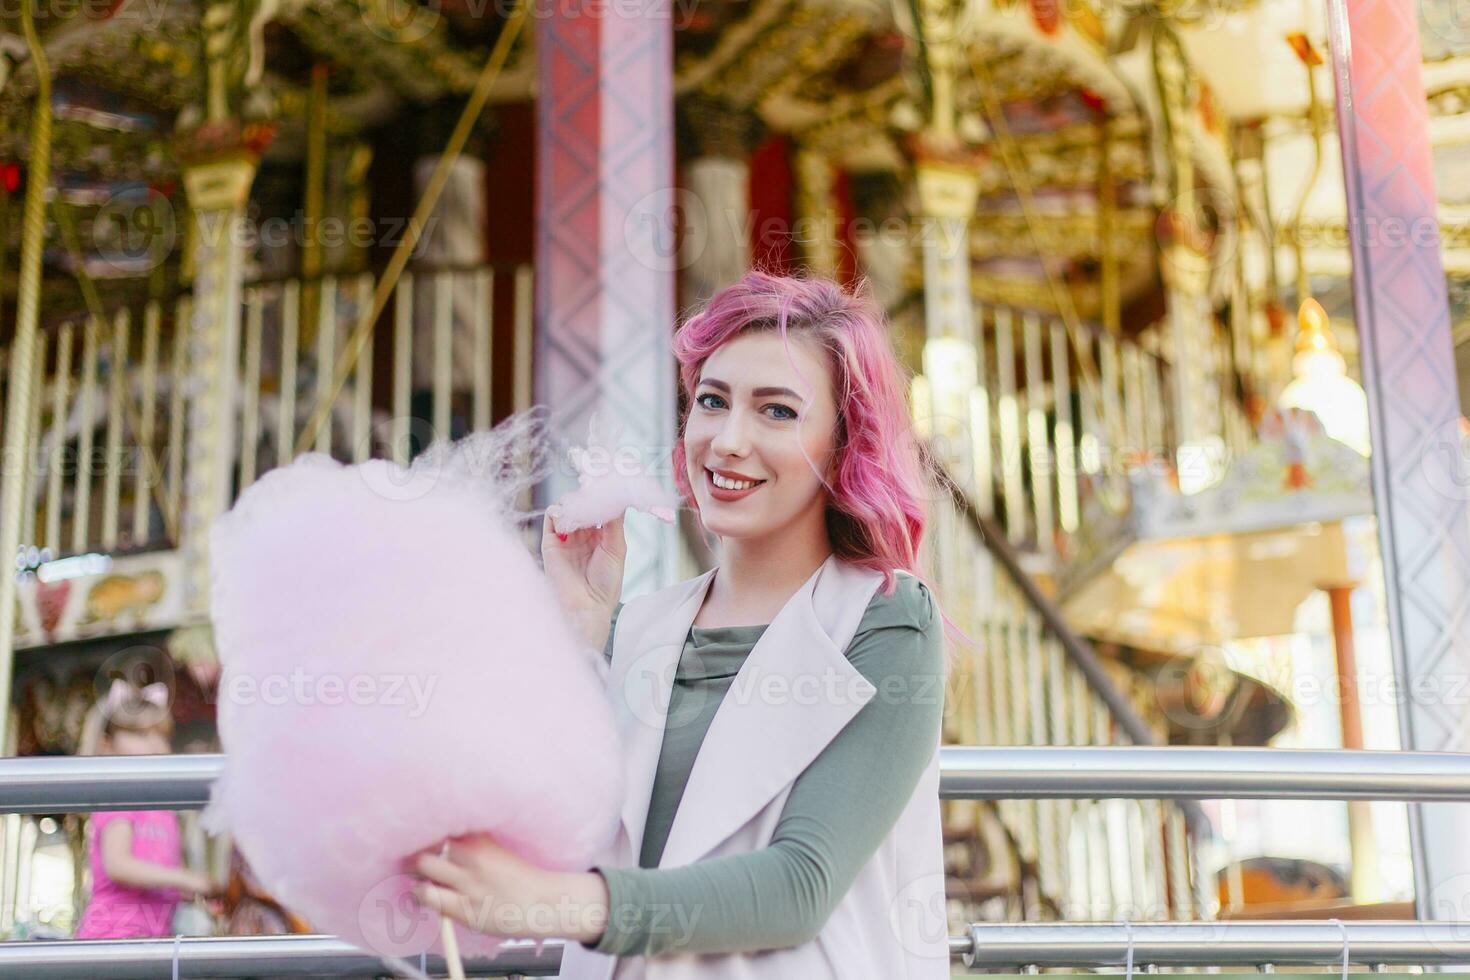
<point>639,684</point>
<point>795,691</point>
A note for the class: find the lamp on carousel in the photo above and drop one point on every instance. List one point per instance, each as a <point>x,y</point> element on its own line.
<point>1320,382</point>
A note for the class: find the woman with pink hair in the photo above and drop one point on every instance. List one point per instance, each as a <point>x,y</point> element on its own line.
<point>807,840</point>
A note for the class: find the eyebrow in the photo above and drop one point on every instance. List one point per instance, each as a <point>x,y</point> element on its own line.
<point>719,385</point>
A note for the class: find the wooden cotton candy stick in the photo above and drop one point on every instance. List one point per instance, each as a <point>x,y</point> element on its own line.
<point>450,940</point>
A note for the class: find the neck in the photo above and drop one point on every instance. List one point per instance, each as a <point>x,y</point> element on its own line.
<point>753,570</point>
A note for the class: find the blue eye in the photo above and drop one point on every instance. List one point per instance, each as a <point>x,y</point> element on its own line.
<point>790,413</point>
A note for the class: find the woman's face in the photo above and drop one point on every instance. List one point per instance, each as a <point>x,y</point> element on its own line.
<point>755,410</point>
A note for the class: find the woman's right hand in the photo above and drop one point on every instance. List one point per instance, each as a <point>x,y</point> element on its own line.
<point>585,569</point>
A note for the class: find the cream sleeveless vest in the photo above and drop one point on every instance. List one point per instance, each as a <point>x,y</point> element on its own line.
<point>794,693</point>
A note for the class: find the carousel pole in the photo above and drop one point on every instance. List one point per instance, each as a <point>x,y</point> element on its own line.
<point>948,182</point>
<point>23,350</point>
<point>316,183</point>
<point>218,159</point>
<point>1362,843</point>
<point>1187,268</point>
<point>716,248</point>
<point>217,191</point>
<point>18,412</point>
<point>817,218</point>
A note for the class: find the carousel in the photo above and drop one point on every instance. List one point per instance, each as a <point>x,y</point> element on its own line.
<point>1109,235</point>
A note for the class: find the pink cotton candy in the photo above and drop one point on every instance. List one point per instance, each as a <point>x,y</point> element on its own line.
<point>396,672</point>
<point>601,500</point>
<point>610,480</point>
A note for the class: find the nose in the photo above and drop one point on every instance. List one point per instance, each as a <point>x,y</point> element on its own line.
<point>731,439</point>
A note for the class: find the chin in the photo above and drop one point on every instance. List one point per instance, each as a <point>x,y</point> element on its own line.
<point>723,529</point>
<point>741,529</point>
<point>720,524</point>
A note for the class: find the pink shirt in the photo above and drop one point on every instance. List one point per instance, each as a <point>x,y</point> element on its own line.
<point>118,911</point>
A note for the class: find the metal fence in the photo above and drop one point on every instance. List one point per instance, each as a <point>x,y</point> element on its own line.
<point>34,785</point>
<point>987,946</point>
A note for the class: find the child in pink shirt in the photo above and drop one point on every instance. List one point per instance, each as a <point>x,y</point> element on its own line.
<point>135,855</point>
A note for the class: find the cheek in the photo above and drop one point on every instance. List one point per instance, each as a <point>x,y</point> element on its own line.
<point>819,446</point>
<point>698,434</point>
<point>695,446</point>
<point>790,462</point>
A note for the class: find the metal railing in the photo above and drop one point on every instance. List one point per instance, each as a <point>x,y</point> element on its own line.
<point>1202,773</point>
<point>989,946</point>
<point>82,784</point>
<point>968,772</point>
<point>1180,944</point>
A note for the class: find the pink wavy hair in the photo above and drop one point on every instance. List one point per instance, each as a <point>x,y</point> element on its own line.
<point>878,498</point>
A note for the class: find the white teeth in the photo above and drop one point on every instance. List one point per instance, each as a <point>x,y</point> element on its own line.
<point>727,484</point>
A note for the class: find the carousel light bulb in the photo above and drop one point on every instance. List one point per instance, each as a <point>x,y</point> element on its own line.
<point>949,364</point>
<point>972,128</point>
<point>906,116</point>
<point>1320,383</point>
<point>922,407</point>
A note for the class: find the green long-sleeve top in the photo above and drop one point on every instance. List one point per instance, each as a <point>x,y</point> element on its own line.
<point>838,811</point>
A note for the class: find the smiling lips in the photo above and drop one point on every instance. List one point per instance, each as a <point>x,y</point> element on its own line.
<point>726,493</point>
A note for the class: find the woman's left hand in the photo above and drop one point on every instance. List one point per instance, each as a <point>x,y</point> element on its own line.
<point>493,890</point>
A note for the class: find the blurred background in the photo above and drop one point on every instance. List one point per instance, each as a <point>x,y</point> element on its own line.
<point>1114,244</point>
